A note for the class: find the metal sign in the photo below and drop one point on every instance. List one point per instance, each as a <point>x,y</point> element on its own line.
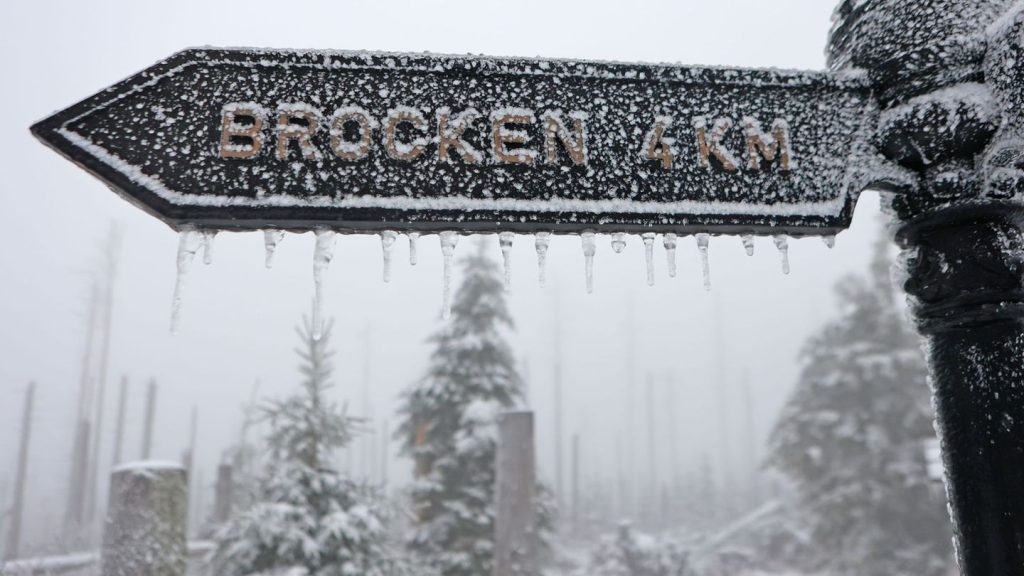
<point>252,139</point>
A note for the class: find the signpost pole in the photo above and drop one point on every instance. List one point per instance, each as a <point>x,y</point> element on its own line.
<point>944,114</point>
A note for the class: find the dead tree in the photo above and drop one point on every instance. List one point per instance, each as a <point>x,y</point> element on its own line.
<point>14,533</point>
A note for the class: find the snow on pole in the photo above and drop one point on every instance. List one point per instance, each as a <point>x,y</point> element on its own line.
<point>449,240</point>
<point>144,533</point>
<point>748,243</point>
<point>589,249</point>
<point>671,241</point>
<point>542,240</point>
<point>208,237</point>
<point>648,238</point>
<point>413,237</point>
<point>271,238</point>
<point>703,241</point>
<point>322,254</point>
<point>618,242</point>
<point>387,242</point>
<point>829,241</point>
<point>505,240</point>
<point>189,241</point>
<point>782,243</point>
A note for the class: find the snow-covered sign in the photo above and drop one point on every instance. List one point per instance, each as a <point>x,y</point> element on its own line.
<point>352,141</point>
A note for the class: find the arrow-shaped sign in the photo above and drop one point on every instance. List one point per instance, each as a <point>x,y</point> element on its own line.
<point>252,139</point>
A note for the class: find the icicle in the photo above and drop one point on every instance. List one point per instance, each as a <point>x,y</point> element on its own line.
<point>413,237</point>
<point>618,242</point>
<point>387,241</point>
<point>748,243</point>
<point>505,240</point>
<point>829,240</point>
<point>703,240</point>
<point>782,243</point>
<point>448,242</point>
<point>670,242</point>
<point>271,238</point>
<point>322,255</point>
<point>541,241</point>
<point>189,241</point>
<point>208,236</point>
<point>649,256</point>
<point>589,249</point>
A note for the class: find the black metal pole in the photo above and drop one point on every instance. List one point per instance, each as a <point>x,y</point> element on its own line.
<point>948,118</point>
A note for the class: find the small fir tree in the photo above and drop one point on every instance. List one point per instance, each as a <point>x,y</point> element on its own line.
<point>852,437</point>
<point>309,518</point>
<point>631,554</point>
<point>448,426</point>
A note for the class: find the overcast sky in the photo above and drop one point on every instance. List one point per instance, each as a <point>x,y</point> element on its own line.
<point>238,317</point>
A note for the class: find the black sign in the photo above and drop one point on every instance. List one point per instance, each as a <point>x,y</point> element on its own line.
<point>249,139</point>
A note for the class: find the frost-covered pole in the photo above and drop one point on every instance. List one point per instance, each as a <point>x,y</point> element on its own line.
<point>948,77</point>
<point>145,527</point>
<point>515,546</point>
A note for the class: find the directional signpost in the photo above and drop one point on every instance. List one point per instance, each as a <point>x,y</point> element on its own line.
<point>924,102</point>
<point>246,139</point>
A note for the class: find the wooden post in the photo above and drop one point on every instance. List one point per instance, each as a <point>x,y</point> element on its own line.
<point>515,546</point>
<point>14,533</point>
<point>224,494</point>
<point>147,435</point>
<point>145,527</point>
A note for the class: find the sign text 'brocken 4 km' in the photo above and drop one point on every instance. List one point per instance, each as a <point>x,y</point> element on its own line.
<point>251,139</point>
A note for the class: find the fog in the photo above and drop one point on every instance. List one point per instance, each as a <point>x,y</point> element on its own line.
<point>238,317</point>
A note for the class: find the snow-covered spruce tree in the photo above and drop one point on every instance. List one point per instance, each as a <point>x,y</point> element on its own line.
<point>852,439</point>
<point>449,425</point>
<point>309,518</point>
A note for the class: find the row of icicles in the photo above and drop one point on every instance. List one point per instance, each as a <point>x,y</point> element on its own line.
<point>191,240</point>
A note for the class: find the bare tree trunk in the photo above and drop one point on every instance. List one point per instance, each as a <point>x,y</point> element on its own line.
<point>652,456</point>
<point>194,479</point>
<point>385,439</point>
<point>92,484</point>
<point>122,405</point>
<point>147,435</point>
<point>558,409</point>
<point>75,510</point>
<point>753,485</point>
<point>14,533</point>
<point>575,480</point>
<point>515,546</point>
